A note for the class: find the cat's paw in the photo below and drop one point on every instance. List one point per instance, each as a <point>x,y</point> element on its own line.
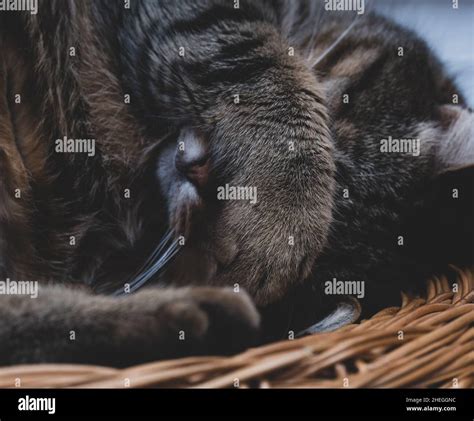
<point>206,320</point>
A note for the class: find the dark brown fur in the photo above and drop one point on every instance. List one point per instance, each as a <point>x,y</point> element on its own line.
<point>283,99</point>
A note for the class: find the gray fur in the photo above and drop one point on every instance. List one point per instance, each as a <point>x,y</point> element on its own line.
<point>290,136</point>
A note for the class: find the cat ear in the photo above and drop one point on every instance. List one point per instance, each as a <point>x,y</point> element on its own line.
<point>455,150</point>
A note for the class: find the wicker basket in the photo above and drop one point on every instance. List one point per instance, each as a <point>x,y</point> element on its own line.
<point>425,343</point>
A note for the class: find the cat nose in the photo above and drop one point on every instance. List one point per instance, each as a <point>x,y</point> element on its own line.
<point>196,171</point>
<point>192,158</point>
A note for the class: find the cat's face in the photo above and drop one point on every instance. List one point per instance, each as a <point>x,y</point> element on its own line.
<point>252,193</point>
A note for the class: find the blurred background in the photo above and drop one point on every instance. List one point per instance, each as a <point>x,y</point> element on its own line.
<point>448,31</point>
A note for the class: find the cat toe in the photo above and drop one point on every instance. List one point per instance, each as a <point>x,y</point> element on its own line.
<point>233,321</point>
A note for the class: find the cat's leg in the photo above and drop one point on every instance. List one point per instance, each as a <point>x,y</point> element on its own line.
<point>66,325</point>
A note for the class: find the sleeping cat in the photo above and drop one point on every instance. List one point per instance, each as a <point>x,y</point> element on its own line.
<point>185,97</point>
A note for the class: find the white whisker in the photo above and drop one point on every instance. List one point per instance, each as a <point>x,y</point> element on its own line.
<point>155,262</point>
<point>335,43</point>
